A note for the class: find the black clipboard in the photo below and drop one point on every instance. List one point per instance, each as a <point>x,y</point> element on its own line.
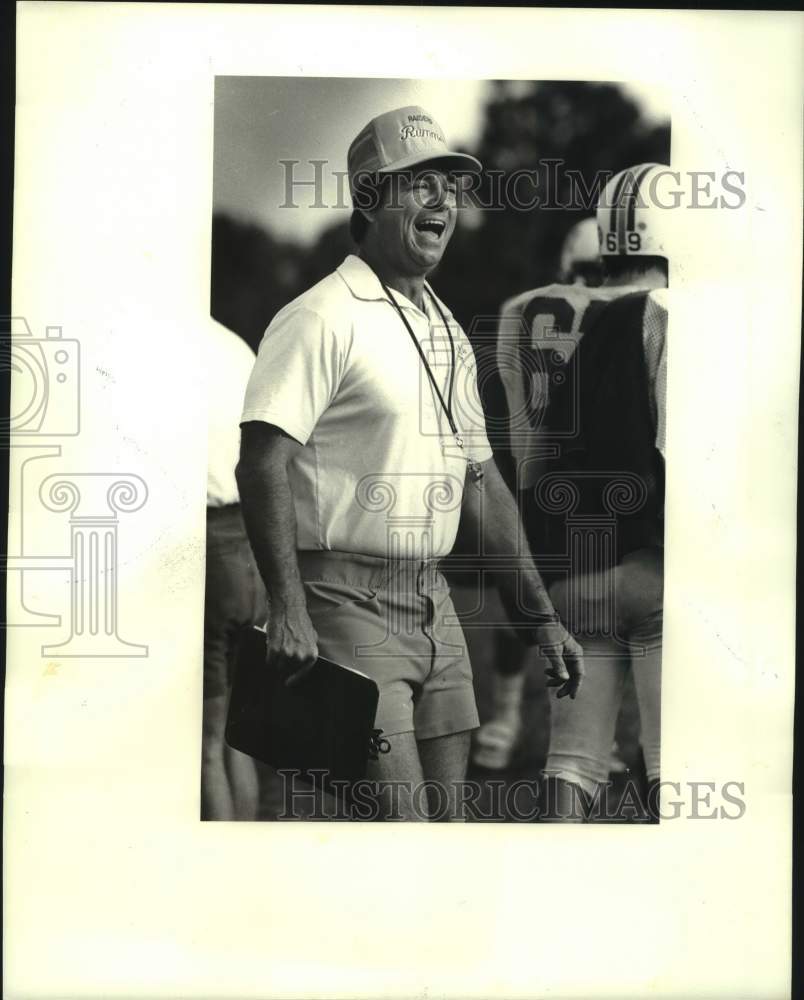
<point>325,723</point>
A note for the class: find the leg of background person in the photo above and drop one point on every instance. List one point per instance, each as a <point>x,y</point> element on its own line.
<point>258,786</point>
<point>582,731</point>
<point>241,770</point>
<point>496,739</point>
<point>399,775</point>
<point>216,796</point>
<point>244,783</point>
<point>444,761</point>
<point>228,607</point>
<point>647,672</point>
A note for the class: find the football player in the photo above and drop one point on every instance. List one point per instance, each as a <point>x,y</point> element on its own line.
<point>538,336</point>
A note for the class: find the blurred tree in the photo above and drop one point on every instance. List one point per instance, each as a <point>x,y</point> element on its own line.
<point>554,129</point>
<point>253,276</point>
<point>327,253</point>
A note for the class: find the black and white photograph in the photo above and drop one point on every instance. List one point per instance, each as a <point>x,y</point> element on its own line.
<point>450,481</point>
<point>401,438</point>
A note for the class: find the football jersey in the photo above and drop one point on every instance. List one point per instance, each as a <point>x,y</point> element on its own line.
<point>537,336</point>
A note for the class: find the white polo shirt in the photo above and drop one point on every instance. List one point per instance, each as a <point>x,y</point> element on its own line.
<point>380,473</point>
<point>229,364</point>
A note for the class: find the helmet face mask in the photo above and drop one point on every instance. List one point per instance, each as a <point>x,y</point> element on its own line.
<point>630,220</point>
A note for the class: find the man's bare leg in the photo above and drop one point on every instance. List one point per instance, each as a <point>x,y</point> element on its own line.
<point>444,761</point>
<point>399,773</point>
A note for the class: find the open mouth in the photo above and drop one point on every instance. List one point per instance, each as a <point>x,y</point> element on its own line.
<point>432,227</point>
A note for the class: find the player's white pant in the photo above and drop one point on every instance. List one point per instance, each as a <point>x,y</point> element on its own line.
<point>582,731</point>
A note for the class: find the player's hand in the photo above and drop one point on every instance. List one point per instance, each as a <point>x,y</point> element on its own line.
<point>564,655</point>
<point>291,643</point>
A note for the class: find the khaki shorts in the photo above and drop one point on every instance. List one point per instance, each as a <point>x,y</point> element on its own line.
<point>395,621</point>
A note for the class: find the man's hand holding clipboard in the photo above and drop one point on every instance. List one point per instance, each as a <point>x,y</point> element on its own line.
<point>318,725</point>
<point>291,642</point>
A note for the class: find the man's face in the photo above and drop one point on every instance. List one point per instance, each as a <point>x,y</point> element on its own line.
<point>417,219</point>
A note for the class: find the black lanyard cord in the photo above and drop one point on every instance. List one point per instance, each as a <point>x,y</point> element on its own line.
<point>446,404</point>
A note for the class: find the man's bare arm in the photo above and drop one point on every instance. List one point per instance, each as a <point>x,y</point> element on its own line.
<point>267,503</point>
<point>492,514</point>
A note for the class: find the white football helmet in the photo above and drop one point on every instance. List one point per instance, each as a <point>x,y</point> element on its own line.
<point>632,214</point>
<point>580,246</point>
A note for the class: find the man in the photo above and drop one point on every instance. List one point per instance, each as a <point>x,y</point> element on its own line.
<point>235,595</point>
<point>362,447</point>
<point>538,338</point>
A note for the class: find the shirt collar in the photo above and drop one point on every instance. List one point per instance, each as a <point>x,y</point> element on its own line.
<point>364,284</point>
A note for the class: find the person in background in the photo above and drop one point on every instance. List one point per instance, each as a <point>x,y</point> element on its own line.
<point>580,262</point>
<point>234,593</point>
<point>539,334</point>
<point>496,740</point>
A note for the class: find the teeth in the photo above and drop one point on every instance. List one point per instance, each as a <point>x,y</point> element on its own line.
<point>432,226</point>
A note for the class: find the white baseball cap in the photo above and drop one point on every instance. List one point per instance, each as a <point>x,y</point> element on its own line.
<point>401,139</point>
